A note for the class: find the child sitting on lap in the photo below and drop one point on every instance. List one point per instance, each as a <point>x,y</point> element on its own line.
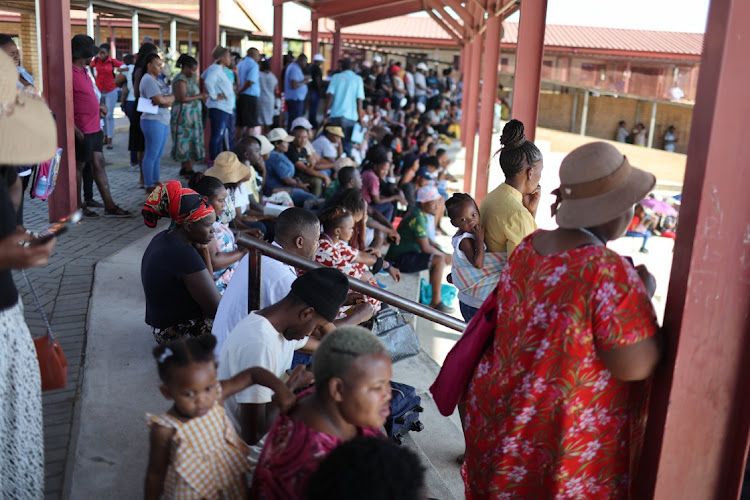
<point>475,272</point>
<point>195,451</point>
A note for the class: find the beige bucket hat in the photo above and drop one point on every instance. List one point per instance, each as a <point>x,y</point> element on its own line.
<point>228,168</point>
<point>597,184</point>
<point>27,129</point>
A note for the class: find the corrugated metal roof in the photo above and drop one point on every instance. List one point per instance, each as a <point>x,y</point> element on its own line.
<point>580,37</point>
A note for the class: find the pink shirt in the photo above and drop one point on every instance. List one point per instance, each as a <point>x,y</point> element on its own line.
<point>370,185</point>
<point>85,103</point>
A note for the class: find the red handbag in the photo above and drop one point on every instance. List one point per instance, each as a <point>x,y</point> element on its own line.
<point>53,366</point>
<point>458,367</point>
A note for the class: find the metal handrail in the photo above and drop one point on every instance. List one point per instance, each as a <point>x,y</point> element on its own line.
<point>258,247</point>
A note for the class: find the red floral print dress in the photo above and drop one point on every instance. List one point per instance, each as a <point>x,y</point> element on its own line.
<point>341,255</point>
<point>545,418</point>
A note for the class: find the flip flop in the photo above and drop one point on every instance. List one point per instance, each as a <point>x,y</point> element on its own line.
<point>117,212</point>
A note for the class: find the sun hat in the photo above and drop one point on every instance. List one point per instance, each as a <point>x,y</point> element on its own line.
<point>597,184</point>
<point>319,58</point>
<point>427,193</point>
<point>27,129</point>
<point>303,122</point>
<point>279,134</point>
<point>228,168</point>
<point>308,288</point>
<point>265,145</point>
<point>334,130</point>
<point>422,66</point>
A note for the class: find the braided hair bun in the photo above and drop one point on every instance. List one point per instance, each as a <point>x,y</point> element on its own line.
<point>513,136</point>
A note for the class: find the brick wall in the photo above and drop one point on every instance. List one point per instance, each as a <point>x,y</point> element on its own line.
<point>604,112</point>
<point>28,46</point>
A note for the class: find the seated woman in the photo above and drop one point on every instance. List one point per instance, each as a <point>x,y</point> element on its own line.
<point>223,251</point>
<point>181,296</point>
<point>280,170</point>
<point>351,398</point>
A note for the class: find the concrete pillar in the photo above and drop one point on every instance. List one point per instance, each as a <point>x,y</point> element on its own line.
<point>136,37</point>
<point>699,399</point>
<point>209,31</point>
<point>574,114</point>
<point>57,72</point>
<point>652,125</point>
<point>489,94</point>
<point>223,38</point>
<point>585,112</point>
<point>336,54</point>
<point>190,42</point>
<point>469,131</point>
<point>173,45</point>
<point>529,64</point>
<point>161,38</point>
<point>314,35</point>
<point>277,64</point>
<point>90,20</point>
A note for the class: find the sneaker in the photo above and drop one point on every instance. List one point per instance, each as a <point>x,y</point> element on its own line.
<point>443,308</point>
<point>643,250</point>
<point>134,168</point>
<point>381,286</point>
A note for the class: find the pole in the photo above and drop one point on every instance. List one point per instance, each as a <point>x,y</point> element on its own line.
<point>336,54</point>
<point>585,112</point>
<point>112,41</point>
<point>652,125</point>
<point>190,42</point>
<point>529,64</point>
<point>314,35</point>
<point>574,114</point>
<point>135,42</point>
<point>278,39</point>
<point>209,31</point>
<point>472,104</point>
<point>173,38</point>
<point>223,38</point>
<point>489,95</point>
<point>57,75</point>
<point>98,39</point>
<point>90,19</point>
<point>161,38</point>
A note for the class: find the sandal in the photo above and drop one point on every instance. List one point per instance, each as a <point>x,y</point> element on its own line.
<point>116,212</point>
<point>442,308</point>
<point>89,213</point>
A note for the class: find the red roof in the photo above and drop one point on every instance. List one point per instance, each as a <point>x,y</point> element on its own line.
<point>570,37</point>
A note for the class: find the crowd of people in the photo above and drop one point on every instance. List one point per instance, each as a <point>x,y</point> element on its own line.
<point>288,401</point>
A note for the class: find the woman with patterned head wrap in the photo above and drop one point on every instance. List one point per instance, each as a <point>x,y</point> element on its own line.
<point>181,297</point>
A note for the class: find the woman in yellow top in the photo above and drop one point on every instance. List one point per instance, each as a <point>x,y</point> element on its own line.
<point>507,213</point>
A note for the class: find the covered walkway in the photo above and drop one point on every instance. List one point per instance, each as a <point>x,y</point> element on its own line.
<point>700,415</point>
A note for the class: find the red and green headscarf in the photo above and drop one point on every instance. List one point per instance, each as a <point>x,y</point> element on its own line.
<point>170,199</point>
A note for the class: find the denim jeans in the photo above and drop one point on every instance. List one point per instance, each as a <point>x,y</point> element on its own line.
<point>300,196</point>
<point>294,109</point>
<point>110,100</point>
<point>645,237</point>
<point>467,311</point>
<point>348,127</point>
<point>385,209</point>
<point>130,113</point>
<point>156,134</point>
<point>219,122</point>
<point>313,104</point>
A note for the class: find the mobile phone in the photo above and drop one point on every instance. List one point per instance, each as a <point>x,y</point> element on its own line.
<point>57,228</point>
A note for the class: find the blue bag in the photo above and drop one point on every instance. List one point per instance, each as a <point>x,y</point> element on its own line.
<point>405,409</point>
<point>447,293</point>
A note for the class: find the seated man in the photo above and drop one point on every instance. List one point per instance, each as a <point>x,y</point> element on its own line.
<point>416,251</point>
<point>297,231</point>
<point>280,170</point>
<point>269,337</point>
<point>328,147</point>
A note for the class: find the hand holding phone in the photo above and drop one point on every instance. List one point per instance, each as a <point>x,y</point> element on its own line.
<point>55,229</point>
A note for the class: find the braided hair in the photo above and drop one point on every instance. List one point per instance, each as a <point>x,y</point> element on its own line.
<point>516,152</point>
<point>183,352</point>
<point>340,348</point>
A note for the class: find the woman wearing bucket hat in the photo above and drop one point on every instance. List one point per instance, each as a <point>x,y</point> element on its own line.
<point>556,404</point>
<point>27,136</point>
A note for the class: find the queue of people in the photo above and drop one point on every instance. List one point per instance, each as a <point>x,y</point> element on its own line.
<point>264,401</point>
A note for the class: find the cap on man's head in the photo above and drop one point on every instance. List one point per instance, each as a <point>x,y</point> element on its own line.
<point>319,58</point>
<point>279,134</point>
<point>334,130</point>
<point>422,66</point>
<point>324,289</point>
<point>265,145</point>
<point>302,122</point>
<point>377,59</point>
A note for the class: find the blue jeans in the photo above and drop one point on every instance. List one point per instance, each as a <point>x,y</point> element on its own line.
<point>314,104</point>
<point>294,109</point>
<point>645,237</point>
<point>385,209</point>
<point>300,196</point>
<point>347,126</point>
<point>219,122</point>
<point>110,100</point>
<point>421,98</point>
<point>156,134</point>
<point>467,311</point>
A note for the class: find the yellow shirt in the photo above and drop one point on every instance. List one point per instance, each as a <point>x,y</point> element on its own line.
<point>505,220</point>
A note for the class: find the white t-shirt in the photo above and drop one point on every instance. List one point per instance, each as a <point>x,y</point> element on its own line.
<point>254,342</point>
<point>420,80</point>
<point>276,283</point>
<point>325,148</point>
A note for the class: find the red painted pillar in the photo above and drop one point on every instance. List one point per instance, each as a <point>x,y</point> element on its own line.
<point>112,41</point>
<point>529,64</point>
<point>698,424</point>
<point>471,95</point>
<point>314,35</point>
<point>277,62</point>
<point>57,77</point>
<point>209,31</point>
<point>489,93</point>
<point>336,52</point>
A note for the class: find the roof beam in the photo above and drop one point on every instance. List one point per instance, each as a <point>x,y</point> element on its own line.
<point>445,27</point>
<point>335,9</point>
<point>440,8</point>
<point>401,9</point>
<point>462,12</point>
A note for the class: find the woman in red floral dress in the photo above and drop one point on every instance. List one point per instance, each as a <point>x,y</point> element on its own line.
<point>556,406</point>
